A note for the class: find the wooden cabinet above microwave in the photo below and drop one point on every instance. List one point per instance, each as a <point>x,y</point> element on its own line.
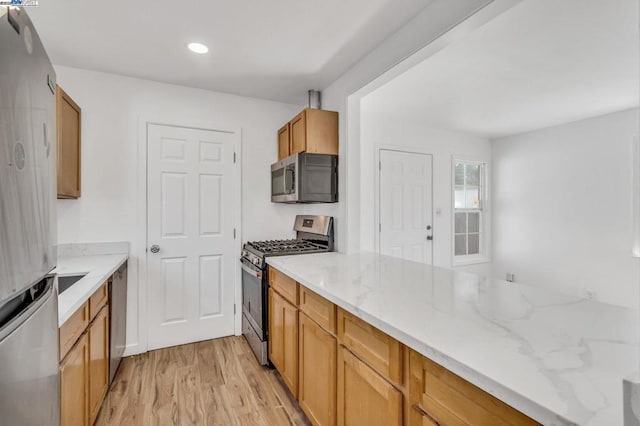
<point>313,130</point>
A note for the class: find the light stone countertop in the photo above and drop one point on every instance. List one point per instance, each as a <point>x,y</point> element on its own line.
<point>559,359</point>
<point>98,268</point>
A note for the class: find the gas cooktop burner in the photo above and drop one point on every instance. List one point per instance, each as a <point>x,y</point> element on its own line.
<point>284,246</point>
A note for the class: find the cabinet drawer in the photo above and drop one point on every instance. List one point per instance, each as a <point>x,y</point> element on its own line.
<point>73,328</point>
<point>318,309</point>
<point>379,350</point>
<point>98,300</point>
<point>287,287</point>
<point>440,396</point>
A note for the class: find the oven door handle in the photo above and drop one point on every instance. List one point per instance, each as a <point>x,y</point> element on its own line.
<point>252,272</point>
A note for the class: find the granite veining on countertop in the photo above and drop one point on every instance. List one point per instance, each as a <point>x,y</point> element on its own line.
<point>557,358</point>
<point>97,268</point>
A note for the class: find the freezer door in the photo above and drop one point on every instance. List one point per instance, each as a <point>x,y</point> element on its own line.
<point>29,359</point>
<point>27,155</point>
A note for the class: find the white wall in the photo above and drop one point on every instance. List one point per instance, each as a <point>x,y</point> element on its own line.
<point>562,214</point>
<point>108,209</point>
<point>390,57</point>
<point>443,145</point>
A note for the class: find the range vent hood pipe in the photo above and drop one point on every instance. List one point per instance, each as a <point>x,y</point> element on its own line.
<point>315,100</point>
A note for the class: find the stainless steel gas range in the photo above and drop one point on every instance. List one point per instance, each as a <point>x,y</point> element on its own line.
<point>314,234</point>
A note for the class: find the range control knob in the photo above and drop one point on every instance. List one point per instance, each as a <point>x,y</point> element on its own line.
<point>244,252</point>
<point>255,261</point>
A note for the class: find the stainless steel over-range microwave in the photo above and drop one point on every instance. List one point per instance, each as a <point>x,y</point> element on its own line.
<point>305,178</point>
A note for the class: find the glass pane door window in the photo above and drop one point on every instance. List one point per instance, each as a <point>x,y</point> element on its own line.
<point>467,233</point>
<point>469,181</point>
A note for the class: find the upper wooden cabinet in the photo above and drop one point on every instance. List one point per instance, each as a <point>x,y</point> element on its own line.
<point>284,142</point>
<point>68,125</point>
<point>313,130</point>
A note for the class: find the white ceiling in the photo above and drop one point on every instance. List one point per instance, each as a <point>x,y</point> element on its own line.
<point>276,49</point>
<point>542,63</point>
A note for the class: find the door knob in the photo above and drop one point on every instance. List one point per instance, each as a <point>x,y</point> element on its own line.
<point>155,248</point>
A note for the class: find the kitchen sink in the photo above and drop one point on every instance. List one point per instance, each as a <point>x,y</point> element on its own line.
<point>65,282</point>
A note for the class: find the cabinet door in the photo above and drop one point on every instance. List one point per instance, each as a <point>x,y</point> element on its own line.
<point>68,122</point>
<point>74,385</point>
<point>321,131</point>
<point>364,397</point>
<point>283,339</point>
<point>299,133</point>
<point>317,387</point>
<point>284,142</point>
<point>98,361</point>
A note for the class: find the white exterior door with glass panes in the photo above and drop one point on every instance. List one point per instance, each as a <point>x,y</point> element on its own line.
<point>405,205</point>
<point>191,260</point>
<point>469,220</point>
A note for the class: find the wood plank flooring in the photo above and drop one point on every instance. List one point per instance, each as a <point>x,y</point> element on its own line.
<point>215,382</point>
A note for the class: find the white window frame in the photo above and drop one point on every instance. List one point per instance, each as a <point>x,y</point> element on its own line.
<point>485,215</point>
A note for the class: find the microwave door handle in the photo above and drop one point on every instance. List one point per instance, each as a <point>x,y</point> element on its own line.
<point>289,184</point>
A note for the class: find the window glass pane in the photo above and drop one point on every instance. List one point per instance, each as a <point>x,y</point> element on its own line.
<point>459,174</point>
<point>461,223</point>
<point>461,245</point>
<point>474,222</point>
<point>472,174</point>
<point>474,243</point>
<point>472,198</point>
<point>459,198</point>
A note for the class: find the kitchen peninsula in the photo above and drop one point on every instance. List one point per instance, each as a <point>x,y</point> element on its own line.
<point>558,359</point>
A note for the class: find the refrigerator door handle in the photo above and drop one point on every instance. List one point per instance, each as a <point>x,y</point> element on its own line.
<point>25,313</point>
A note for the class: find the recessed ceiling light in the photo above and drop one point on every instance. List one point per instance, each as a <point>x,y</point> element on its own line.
<point>198,47</point>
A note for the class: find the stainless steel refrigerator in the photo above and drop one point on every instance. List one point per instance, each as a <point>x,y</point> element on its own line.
<point>29,358</point>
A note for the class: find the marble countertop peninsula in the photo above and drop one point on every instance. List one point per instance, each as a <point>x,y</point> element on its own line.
<point>557,358</point>
<point>97,260</point>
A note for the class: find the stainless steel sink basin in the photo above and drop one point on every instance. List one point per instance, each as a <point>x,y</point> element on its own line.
<point>65,282</point>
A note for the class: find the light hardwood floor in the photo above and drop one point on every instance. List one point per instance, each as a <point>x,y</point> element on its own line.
<point>215,382</point>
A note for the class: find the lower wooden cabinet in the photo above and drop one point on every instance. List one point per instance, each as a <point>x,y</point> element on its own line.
<point>439,397</point>
<point>98,362</point>
<point>317,378</point>
<point>84,369</point>
<point>74,385</point>
<point>364,396</point>
<point>283,339</point>
<point>345,372</point>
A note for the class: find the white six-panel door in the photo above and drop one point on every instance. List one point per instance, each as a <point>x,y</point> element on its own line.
<point>190,221</point>
<point>405,205</point>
